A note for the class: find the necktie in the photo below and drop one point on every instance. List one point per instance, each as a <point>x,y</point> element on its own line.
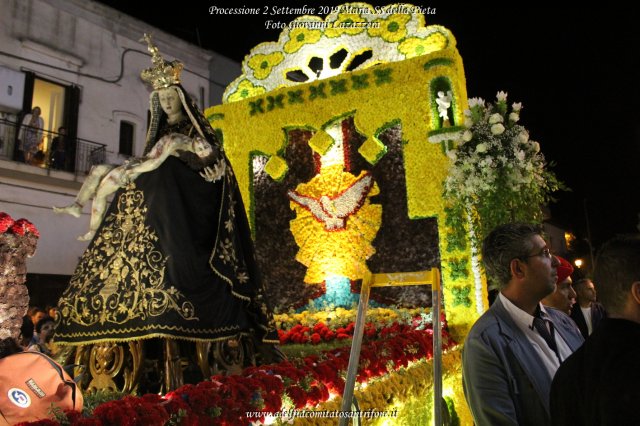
<point>540,325</point>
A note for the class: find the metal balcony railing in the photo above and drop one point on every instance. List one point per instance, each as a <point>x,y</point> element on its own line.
<point>77,155</point>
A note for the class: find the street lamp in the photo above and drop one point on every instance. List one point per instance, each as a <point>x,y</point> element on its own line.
<point>578,263</point>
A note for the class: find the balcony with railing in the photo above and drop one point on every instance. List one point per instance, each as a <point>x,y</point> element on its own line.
<point>54,151</point>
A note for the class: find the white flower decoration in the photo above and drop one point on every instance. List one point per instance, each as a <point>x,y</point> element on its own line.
<point>495,118</point>
<point>468,122</point>
<point>535,146</point>
<point>476,102</point>
<point>523,137</point>
<point>517,106</point>
<point>495,160</point>
<point>497,129</point>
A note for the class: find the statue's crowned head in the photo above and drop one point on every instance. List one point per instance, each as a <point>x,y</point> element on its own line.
<point>162,74</point>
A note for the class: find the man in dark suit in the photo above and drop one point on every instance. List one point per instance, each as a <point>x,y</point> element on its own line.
<point>587,313</point>
<point>515,348</point>
<point>600,383</point>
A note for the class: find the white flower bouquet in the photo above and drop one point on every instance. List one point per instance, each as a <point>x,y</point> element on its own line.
<point>497,173</point>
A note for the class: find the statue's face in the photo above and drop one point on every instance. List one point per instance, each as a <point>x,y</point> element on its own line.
<point>201,147</point>
<point>169,101</point>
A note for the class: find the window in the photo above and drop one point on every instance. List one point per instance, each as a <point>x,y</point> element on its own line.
<point>126,138</point>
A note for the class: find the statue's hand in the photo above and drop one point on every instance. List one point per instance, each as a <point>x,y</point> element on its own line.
<point>212,174</point>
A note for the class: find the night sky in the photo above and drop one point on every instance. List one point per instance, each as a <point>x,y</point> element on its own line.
<point>575,71</point>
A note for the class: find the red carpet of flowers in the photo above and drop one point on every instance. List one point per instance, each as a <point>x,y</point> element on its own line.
<point>302,383</point>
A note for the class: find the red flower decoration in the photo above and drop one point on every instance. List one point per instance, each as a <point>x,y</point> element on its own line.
<point>225,400</point>
<point>23,226</point>
<point>6,222</point>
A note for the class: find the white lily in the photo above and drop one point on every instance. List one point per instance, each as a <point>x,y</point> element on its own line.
<point>476,102</point>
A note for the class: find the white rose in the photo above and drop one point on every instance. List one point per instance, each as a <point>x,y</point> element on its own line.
<point>497,129</point>
<point>523,137</point>
<point>514,117</point>
<point>468,122</point>
<point>467,135</point>
<point>535,146</point>
<point>501,96</point>
<point>495,118</point>
<point>482,147</point>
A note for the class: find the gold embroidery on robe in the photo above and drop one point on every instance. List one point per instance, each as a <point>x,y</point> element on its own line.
<point>121,277</point>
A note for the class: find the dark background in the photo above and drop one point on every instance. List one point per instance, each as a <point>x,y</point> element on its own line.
<point>573,68</point>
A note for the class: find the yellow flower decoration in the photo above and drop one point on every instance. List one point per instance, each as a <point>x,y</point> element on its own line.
<point>298,37</point>
<point>392,29</point>
<point>415,46</point>
<point>263,64</point>
<point>339,251</point>
<point>345,25</point>
<point>321,142</point>
<point>276,167</point>
<point>245,89</point>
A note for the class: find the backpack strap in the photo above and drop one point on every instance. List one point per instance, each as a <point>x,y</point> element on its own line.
<point>59,370</point>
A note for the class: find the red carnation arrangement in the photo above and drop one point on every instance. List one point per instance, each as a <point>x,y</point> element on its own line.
<point>6,222</point>
<point>18,227</point>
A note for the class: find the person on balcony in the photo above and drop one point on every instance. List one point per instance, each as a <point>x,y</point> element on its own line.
<point>30,136</point>
<point>58,149</point>
<point>173,258</point>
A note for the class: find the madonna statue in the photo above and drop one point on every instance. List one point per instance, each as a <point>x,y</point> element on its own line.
<point>173,259</point>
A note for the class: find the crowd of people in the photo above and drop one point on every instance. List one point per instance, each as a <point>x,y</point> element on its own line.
<point>36,333</point>
<point>546,352</point>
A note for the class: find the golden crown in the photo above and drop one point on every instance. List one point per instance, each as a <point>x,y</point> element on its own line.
<point>162,74</point>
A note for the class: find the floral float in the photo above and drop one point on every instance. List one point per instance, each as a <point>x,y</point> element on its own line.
<point>18,240</point>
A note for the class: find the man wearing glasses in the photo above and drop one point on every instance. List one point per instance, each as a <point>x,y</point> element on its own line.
<point>514,349</point>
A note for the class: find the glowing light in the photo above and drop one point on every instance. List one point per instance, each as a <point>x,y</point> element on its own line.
<point>578,263</point>
<point>569,238</point>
